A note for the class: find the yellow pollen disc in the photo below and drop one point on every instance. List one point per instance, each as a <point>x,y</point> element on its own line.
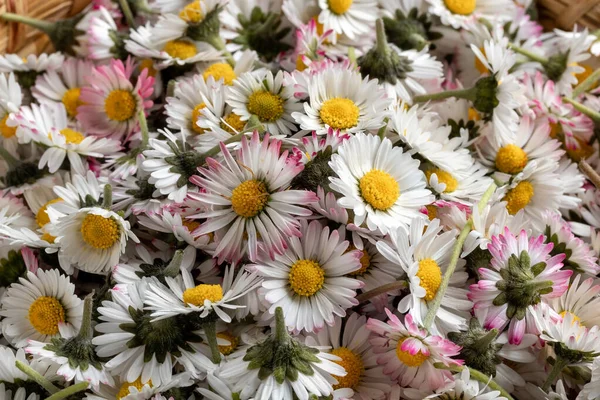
<point>353,365</point>
<point>45,313</point>
<point>339,6</point>
<point>48,237</point>
<point>443,177</point>
<point>461,7</point>
<point>431,212</point>
<point>200,293</point>
<point>339,113</point>
<point>582,152</point>
<point>190,224</point>
<point>582,76</point>
<point>249,198</point>
<point>119,105</point>
<point>42,217</point>
<point>306,277</point>
<point>233,340</point>
<point>233,123</point>
<point>300,66</point>
<point>379,189</point>
<point>99,232</point>
<point>7,131</point>
<point>192,13</point>
<point>148,64</point>
<point>575,317</point>
<point>124,391</point>
<point>181,49</point>
<point>268,107</point>
<point>220,71</point>
<point>518,197</point>
<point>71,136</point>
<point>365,262</point>
<point>409,359</point>
<point>430,275</point>
<point>511,159</point>
<point>196,113</point>
<point>474,115</point>
<point>555,129</point>
<point>479,65</point>
<point>71,101</point>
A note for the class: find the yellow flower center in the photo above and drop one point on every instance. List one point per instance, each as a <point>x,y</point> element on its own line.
<point>518,197</point>
<point>408,359</point>
<point>365,262</point>
<point>7,131</point>
<point>119,105</point>
<point>461,7</point>
<point>430,275</point>
<point>200,293</point>
<point>300,66</point>
<point>48,237</point>
<point>582,152</point>
<point>232,123</point>
<point>340,113</point>
<point>575,317</point>
<point>233,343</point>
<point>353,365</point>
<point>99,232</point>
<point>555,129</point>
<point>511,159</point>
<point>220,70</point>
<point>196,113</point>
<point>306,277</point>
<point>479,65</point>
<point>431,212</point>
<point>190,224</point>
<point>148,64</point>
<point>181,49</point>
<point>71,101</point>
<point>45,313</point>
<point>443,177</point>
<point>379,189</point>
<point>268,107</point>
<point>124,391</point>
<point>582,76</point>
<point>192,13</point>
<point>249,198</point>
<point>474,115</point>
<point>340,6</point>
<point>42,217</point>
<point>71,136</point>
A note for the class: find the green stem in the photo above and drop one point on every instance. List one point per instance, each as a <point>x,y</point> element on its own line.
<point>9,158</point>
<point>85,331</point>
<point>483,342</point>
<point>217,42</point>
<point>529,54</point>
<point>281,332</point>
<point>381,131</point>
<point>37,377</point>
<point>107,200</point>
<point>586,84</point>
<point>456,251</point>
<point>590,173</point>
<point>144,130</point>
<point>583,109</point>
<point>468,94</point>
<point>172,269</point>
<point>43,26</point>
<point>210,329</point>
<point>559,364</point>
<point>381,43</point>
<point>71,390</point>
<point>486,380</point>
<point>127,13</point>
<point>388,287</point>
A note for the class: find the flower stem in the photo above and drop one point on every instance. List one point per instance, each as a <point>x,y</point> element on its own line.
<point>590,173</point>
<point>583,109</point>
<point>478,376</point>
<point>85,331</point>
<point>483,342</point>
<point>381,42</point>
<point>381,131</point>
<point>217,42</point>
<point>43,26</point>
<point>388,287</point>
<point>559,364</point>
<point>107,198</point>
<point>437,301</point>
<point>9,158</point>
<point>529,54</point>
<point>210,329</point>
<point>127,13</point>
<point>37,377</point>
<point>468,94</point>
<point>172,269</point>
<point>71,390</point>
<point>144,130</point>
<point>586,84</point>
<point>281,333</point>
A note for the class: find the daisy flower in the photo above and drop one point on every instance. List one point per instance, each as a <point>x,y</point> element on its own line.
<point>408,353</point>
<point>591,390</point>
<point>181,226</point>
<point>34,308</point>
<point>339,98</point>
<point>64,85</point>
<point>380,183</point>
<point>10,101</point>
<point>264,96</point>
<point>581,300</point>
<point>137,390</point>
<point>307,281</point>
<point>26,69</point>
<point>112,102</point>
<point>465,186</point>
<point>424,254</point>
<point>102,41</point>
<point>252,200</point>
<point>21,384</point>
<point>351,18</point>
<point>460,13</point>
<point>521,273</point>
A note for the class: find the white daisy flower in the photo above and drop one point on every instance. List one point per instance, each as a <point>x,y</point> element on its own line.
<point>137,390</point>
<point>34,308</point>
<point>351,18</point>
<point>102,41</point>
<point>461,13</point>
<point>182,227</point>
<point>465,186</point>
<point>581,300</point>
<point>265,97</point>
<point>380,183</point>
<point>10,101</point>
<point>31,63</point>
<point>21,386</point>
<point>591,390</point>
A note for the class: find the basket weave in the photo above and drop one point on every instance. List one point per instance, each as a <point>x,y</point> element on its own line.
<point>24,40</point>
<point>565,14</point>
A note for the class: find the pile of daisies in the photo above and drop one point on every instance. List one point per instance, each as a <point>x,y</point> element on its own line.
<point>301,200</point>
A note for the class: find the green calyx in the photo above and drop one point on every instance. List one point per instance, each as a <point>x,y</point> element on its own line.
<point>25,173</point>
<point>519,287</point>
<point>479,347</point>
<point>27,78</point>
<point>144,191</point>
<point>261,32</point>
<point>556,66</point>
<point>411,31</point>
<point>469,125</point>
<point>382,62</point>
<point>118,48</point>
<point>561,248</point>
<point>185,163</point>
<point>207,29</point>
<point>316,173</point>
<point>573,356</point>
<point>11,268</point>
<point>281,355</point>
<point>485,99</point>
<point>161,269</point>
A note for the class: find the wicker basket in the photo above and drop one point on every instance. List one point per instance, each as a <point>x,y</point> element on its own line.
<point>565,14</point>
<point>24,40</point>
